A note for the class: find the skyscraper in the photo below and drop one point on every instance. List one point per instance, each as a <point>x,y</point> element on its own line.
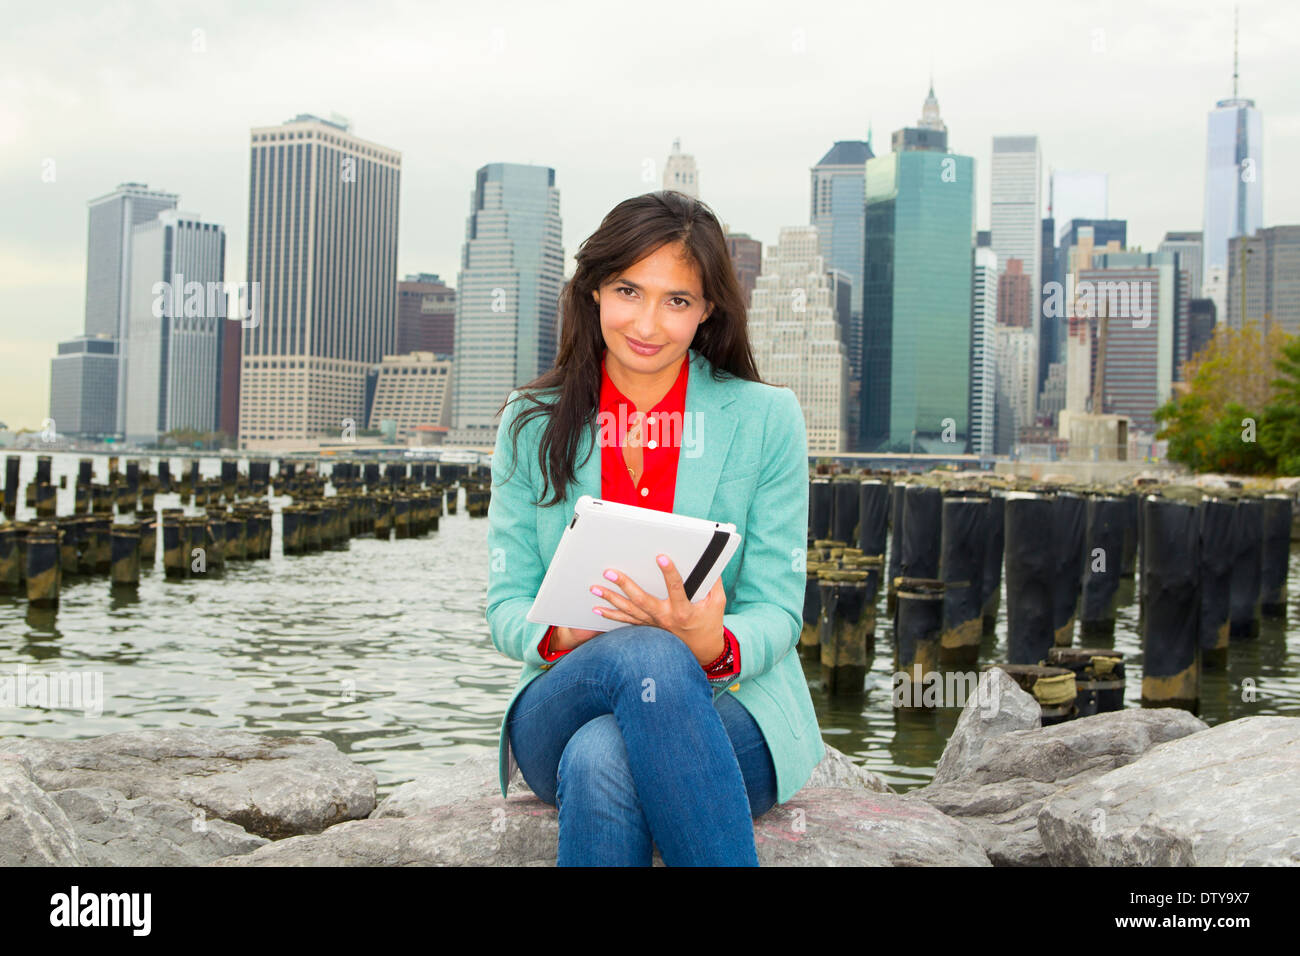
<point>680,172</point>
<point>322,258</point>
<point>796,335</point>
<point>983,352</point>
<point>426,315</point>
<point>838,195</point>
<point>1234,198</point>
<point>177,316</point>
<point>1191,256</point>
<point>916,303</point>
<point>1016,223</point>
<point>1136,295</point>
<point>1269,263</point>
<point>108,271</point>
<point>507,294</point>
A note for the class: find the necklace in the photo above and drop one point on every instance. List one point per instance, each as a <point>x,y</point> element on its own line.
<point>637,436</point>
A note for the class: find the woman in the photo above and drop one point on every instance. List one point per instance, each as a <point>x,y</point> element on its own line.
<point>686,720</point>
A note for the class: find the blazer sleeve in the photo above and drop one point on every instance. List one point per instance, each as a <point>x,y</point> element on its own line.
<point>766,612</point>
<point>515,566</point>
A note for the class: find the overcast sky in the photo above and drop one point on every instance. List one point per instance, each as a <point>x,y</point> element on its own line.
<point>757,92</point>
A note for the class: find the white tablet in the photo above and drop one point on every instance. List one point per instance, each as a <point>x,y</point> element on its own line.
<point>606,534</point>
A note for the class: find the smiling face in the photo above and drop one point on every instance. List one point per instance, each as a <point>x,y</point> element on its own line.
<point>648,316</point>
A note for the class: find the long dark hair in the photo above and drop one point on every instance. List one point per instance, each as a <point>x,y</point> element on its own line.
<point>632,230</point>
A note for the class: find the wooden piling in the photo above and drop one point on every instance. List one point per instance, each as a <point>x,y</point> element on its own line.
<point>44,567</point>
<point>1171,574</point>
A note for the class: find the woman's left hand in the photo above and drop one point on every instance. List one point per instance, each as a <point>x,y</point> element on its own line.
<point>699,625</point>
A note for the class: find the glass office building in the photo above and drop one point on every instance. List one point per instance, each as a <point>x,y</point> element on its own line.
<point>920,236</point>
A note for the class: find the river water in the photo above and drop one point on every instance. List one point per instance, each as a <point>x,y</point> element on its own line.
<point>383,649</point>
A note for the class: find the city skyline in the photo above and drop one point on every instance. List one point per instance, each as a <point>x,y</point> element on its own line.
<point>115,115</point>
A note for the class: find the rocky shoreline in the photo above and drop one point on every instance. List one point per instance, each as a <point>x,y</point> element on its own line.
<point>1138,787</point>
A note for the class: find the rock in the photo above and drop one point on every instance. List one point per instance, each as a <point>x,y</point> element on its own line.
<point>472,778</point>
<point>274,787</point>
<point>476,778</point>
<point>819,827</point>
<point>117,831</point>
<point>837,770</point>
<point>457,818</point>
<point>1004,785</point>
<point>998,707</point>
<point>1221,797</point>
<point>34,831</point>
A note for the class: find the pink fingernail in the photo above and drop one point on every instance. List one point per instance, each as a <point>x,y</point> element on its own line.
<point>598,611</point>
<point>595,590</point>
<point>611,575</point>
<point>663,560</point>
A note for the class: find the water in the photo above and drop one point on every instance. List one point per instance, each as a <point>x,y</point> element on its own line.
<point>383,649</point>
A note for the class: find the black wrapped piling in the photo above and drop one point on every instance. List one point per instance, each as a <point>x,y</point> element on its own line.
<point>809,634</point>
<point>1103,563</point>
<point>44,567</point>
<point>1217,521</point>
<point>196,541</point>
<point>99,544</point>
<point>44,469</point>
<point>847,629</point>
<point>291,529</point>
<point>70,533</point>
<point>236,536</point>
<point>125,550</point>
<point>176,563</point>
<point>962,572</point>
<point>311,528</point>
<point>229,477</point>
<point>147,524</point>
<point>10,569</point>
<point>216,538</point>
<point>1274,554</point>
<point>820,505</point>
<point>1030,565</point>
<point>164,476</point>
<point>1171,575</point>
<point>994,543</point>
<point>1132,528</point>
<point>844,507</point>
<point>1069,527</point>
<point>1098,675</point>
<point>922,532</point>
<point>918,623</point>
<point>873,516</point>
<point>1247,563</point>
<point>401,516</point>
<point>12,488</point>
<point>86,471</point>
<point>45,500</point>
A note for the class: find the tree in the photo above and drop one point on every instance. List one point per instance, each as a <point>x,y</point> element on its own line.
<point>1231,399</point>
<point>1280,431</point>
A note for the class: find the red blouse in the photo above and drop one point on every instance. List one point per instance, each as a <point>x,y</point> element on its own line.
<point>658,476</point>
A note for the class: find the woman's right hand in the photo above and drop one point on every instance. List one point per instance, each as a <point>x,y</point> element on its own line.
<point>567,638</point>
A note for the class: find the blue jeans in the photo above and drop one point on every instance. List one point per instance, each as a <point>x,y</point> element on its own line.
<point>623,735</point>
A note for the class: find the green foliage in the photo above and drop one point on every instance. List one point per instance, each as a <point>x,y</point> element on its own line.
<point>1279,433</point>
<point>1234,416</point>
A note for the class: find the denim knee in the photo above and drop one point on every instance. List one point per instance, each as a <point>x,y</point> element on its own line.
<point>595,760</point>
<point>642,650</point>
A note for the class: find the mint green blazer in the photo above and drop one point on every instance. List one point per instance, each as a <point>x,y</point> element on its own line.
<point>746,463</point>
